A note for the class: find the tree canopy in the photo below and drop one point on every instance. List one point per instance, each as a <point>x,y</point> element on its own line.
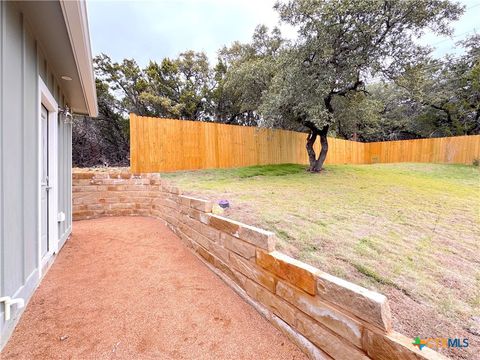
<point>340,46</point>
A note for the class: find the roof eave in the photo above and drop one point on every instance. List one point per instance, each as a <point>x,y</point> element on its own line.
<point>76,20</point>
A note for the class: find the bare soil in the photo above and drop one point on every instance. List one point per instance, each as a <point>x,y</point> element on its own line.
<point>127,288</point>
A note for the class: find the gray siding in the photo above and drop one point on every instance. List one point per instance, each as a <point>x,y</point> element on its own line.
<point>21,61</point>
<point>65,180</point>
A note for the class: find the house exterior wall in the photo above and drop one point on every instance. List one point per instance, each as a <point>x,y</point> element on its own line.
<point>21,63</point>
<point>64,180</point>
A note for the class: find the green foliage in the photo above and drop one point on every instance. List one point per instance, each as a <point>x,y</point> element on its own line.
<point>340,45</point>
<point>386,112</point>
<point>431,99</point>
<point>269,170</point>
<point>248,70</point>
<point>177,88</point>
<point>247,172</point>
<point>124,78</point>
<point>372,274</point>
<point>448,92</point>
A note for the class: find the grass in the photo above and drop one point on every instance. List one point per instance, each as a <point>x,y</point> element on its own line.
<point>412,227</point>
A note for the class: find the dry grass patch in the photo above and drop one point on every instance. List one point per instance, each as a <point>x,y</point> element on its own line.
<point>412,229</point>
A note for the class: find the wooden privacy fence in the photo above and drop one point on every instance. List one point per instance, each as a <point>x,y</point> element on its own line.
<point>449,150</point>
<point>158,145</point>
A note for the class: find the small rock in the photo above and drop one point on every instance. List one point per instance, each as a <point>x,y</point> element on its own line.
<point>474,329</point>
<point>115,346</point>
<point>63,338</point>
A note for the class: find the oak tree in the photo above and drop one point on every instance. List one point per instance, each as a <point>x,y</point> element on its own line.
<point>341,44</point>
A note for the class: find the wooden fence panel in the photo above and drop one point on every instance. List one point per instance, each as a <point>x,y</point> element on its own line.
<point>158,145</point>
<point>449,150</point>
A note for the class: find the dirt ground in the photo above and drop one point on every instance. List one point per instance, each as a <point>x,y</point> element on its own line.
<point>127,288</point>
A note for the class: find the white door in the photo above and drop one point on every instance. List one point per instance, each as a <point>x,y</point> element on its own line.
<point>44,243</point>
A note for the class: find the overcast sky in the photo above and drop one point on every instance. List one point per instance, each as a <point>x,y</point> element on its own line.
<point>153,29</point>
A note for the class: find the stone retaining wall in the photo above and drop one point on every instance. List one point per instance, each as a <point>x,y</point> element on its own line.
<point>326,316</point>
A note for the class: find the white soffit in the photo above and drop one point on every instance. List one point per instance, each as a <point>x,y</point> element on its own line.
<point>75,15</point>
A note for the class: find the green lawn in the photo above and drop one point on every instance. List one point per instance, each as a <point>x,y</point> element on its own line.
<point>412,228</point>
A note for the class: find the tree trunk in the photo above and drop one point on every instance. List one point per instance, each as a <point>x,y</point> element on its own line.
<point>316,164</point>
<point>323,152</point>
<point>312,137</point>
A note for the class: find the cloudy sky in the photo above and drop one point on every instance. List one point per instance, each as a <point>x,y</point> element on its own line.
<point>153,29</point>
